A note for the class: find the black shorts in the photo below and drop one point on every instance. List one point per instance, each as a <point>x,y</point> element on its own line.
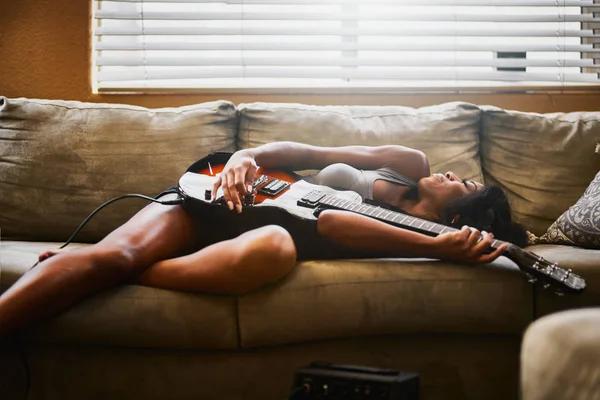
<point>218,223</point>
<point>223,224</point>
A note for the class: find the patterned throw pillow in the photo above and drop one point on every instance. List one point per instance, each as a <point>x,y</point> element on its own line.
<point>580,224</point>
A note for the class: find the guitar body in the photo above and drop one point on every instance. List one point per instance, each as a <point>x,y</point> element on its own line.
<point>280,209</point>
<point>272,206</point>
<point>283,198</point>
<point>272,174</point>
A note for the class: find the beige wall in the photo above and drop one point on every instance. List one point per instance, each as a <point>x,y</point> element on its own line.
<point>45,53</point>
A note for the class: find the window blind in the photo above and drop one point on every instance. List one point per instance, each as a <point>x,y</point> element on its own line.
<point>345,44</point>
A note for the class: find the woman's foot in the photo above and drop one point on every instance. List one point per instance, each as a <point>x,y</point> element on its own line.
<point>49,253</point>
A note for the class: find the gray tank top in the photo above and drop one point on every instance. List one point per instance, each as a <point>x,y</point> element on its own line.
<point>344,177</point>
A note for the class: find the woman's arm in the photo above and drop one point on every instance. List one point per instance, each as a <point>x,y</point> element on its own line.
<point>242,166</point>
<point>366,234</point>
<point>298,156</point>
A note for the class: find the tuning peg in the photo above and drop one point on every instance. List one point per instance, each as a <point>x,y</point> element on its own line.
<point>568,273</point>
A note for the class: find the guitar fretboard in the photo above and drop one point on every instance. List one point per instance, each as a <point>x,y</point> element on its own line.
<point>392,217</point>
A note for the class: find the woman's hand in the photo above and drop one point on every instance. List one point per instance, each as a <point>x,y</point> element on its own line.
<point>466,247</point>
<point>236,179</point>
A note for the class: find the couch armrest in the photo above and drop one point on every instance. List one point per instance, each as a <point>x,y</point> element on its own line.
<point>560,356</point>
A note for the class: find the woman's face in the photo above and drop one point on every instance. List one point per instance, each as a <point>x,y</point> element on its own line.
<point>438,189</point>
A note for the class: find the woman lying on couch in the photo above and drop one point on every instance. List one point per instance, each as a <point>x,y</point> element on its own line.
<point>175,248</point>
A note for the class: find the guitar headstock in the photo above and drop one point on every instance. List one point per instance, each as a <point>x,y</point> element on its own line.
<point>549,275</point>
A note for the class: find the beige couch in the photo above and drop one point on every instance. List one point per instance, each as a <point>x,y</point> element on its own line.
<point>459,327</point>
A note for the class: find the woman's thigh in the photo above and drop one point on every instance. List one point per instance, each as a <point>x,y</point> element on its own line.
<point>155,233</point>
<point>233,266</point>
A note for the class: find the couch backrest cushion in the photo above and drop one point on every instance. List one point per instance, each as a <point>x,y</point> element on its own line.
<point>447,133</point>
<point>544,161</point>
<point>59,160</point>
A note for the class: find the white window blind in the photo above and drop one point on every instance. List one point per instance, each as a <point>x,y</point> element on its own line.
<point>345,44</point>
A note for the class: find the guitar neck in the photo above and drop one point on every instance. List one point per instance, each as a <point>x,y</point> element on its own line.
<point>392,217</point>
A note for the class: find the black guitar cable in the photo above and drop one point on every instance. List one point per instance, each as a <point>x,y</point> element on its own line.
<point>141,196</point>
<point>20,346</point>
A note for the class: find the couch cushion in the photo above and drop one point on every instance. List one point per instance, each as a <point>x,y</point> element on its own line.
<point>343,298</point>
<point>544,161</point>
<point>133,316</point>
<point>59,160</point>
<point>585,262</point>
<point>447,133</point>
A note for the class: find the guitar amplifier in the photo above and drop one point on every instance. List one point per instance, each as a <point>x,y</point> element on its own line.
<point>322,380</point>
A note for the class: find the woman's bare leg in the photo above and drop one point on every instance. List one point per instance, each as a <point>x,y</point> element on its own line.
<point>155,233</point>
<point>235,266</point>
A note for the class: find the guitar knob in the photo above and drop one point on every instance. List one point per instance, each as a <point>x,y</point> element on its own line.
<point>546,285</point>
<point>207,194</point>
<point>248,200</point>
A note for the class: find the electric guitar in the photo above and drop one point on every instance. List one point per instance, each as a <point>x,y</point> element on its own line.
<point>287,191</point>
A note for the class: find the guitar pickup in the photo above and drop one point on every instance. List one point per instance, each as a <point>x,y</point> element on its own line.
<point>274,187</point>
<point>311,199</point>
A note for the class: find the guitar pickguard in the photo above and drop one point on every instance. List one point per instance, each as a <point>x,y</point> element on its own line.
<point>194,185</point>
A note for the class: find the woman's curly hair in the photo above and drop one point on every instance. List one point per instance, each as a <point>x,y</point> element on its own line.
<point>488,210</point>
